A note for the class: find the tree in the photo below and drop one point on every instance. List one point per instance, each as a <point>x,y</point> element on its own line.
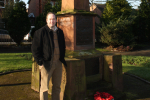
<point>142,23</point>
<point>114,9</point>
<point>6,12</point>
<point>118,33</point>
<point>18,23</point>
<point>41,19</point>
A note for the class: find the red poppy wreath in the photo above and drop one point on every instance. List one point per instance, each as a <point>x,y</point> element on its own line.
<point>103,96</point>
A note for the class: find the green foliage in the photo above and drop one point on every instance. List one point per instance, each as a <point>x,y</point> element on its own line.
<point>144,9</point>
<point>18,23</point>
<point>41,19</point>
<point>8,9</point>
<point>6,12</point>
<point>142,23</point>
<point>97,32</point>
<point>136,60</point>
<point>115,26</point>
<point>49,8</point>
<point>114,9</point>
<point>118,33</point>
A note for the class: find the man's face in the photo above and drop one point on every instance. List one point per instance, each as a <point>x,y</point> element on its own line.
<point>51,20</point>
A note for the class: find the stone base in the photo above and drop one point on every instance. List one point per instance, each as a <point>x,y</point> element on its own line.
<point>113,71</point>
<point>73,84</point>
<point>83,73</point>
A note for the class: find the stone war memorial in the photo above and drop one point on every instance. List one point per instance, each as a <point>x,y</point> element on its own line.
<point>87,70</point>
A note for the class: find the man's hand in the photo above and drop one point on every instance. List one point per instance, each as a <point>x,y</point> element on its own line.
<point>40,67</point>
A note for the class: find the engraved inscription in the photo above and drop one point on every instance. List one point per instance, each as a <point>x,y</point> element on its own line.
<point>84,30</point>
<point>66,21</point>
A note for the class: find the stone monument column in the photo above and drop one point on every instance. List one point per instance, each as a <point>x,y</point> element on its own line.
<point>78,24</point>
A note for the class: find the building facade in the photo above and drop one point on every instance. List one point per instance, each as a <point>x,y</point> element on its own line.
<point>98,9</point>
<point>37,6</point>
<point>2,7</point>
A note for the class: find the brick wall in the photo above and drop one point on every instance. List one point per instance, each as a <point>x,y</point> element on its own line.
<point>34,7</point>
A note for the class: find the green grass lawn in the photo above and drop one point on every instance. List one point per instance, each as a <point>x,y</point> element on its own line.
<point>15,61</point>
<point>137,65</point>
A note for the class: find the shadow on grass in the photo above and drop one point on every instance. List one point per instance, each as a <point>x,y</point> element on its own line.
<point>135,88</point>
<point>142,70</point>
<point>14,84</point>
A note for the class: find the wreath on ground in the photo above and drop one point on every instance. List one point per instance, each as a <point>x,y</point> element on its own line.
<point>103,96</point>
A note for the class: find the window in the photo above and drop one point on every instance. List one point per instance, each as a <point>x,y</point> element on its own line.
<point>2,4</point>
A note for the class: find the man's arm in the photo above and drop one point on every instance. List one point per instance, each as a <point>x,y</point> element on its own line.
<point>37,48</point>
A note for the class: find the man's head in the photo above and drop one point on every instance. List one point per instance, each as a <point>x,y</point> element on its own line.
<point>51,19</point>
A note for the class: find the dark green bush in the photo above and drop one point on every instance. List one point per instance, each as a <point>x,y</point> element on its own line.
<point>18,22</point>
<point>32,32</point>
<point>141,25</point>
<point>118,33</point>
<point>40,21</point>
<point>114,9</point>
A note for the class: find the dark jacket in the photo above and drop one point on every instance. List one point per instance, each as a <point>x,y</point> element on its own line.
<point>41,46</point>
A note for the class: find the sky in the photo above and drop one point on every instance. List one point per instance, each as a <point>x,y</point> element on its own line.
<point>134,3</point>
<point>26,1</point>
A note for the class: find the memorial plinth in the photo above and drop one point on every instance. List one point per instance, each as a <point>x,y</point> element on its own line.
<point>82,74</point>
<point>79,31</point>
<point>78,24</point>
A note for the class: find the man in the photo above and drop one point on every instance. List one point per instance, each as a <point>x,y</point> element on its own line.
<point>48,49</point>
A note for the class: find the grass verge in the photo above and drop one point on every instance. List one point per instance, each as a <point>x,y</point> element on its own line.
<point>15,61</point>
<point>137,65</point>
